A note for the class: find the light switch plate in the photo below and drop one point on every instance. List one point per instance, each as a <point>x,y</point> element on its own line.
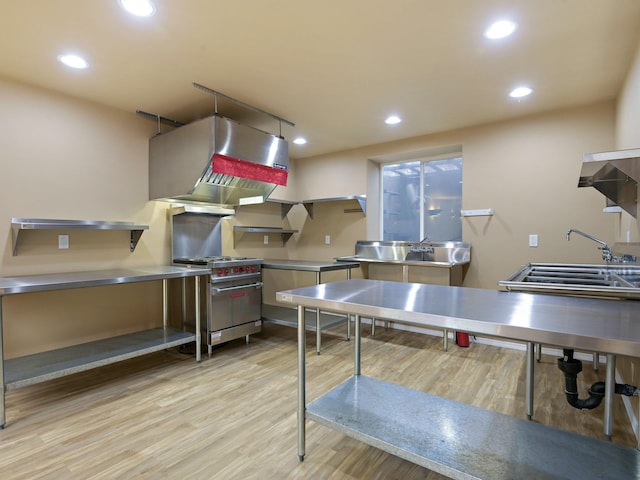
<point>63,241</point>
<point>533,240</point>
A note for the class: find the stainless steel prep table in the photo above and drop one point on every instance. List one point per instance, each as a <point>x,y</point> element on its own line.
<point>580,323</point>
<point>44,366</point>
<point>281,316</point>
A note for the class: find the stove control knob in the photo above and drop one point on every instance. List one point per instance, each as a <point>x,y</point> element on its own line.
<point>219,272</point>
<point>226,271</point>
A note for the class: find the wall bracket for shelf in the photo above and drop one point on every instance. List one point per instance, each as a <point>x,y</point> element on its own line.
<point>20,224</point>
<point>285,205</point>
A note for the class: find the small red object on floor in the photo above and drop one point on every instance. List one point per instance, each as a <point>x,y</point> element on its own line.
<point>462,339</point>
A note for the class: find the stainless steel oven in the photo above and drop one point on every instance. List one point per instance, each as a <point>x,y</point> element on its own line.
<point>234,300</point>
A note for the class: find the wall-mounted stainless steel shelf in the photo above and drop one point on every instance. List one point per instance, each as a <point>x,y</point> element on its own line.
<point>482,212</point>
<point>20,224</point>
<point>360,199</point>
<point>239,231</point>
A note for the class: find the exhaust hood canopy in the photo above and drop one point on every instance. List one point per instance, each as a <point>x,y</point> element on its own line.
<point>216,161</point>
<point>614,174</point>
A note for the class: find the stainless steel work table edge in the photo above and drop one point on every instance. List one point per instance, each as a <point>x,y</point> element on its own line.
<point>56,363</point>
<point>493,312</point>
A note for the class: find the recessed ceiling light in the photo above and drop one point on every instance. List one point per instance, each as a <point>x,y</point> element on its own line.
<point>299,140</point>
<point>139,8</point>
<point>520,92</point>
<point>393,120</point>
<point>500,29</point>
<point>73,61</point>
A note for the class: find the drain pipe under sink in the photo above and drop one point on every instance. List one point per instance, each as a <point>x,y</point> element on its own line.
<point>571,367</point>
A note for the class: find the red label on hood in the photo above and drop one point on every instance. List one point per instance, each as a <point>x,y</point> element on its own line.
<point>244,169</point>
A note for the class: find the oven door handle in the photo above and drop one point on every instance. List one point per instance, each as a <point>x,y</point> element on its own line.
<point>239,287</point>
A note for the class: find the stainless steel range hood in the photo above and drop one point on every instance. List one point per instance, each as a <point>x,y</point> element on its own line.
<point>216,161</point>
<point>615,175</point>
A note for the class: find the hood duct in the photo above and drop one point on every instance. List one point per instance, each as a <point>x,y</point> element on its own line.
<point>216,161</point>
<point>615,175</point>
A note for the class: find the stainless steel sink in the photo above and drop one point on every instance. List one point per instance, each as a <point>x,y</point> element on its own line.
<point>619,281</point>
<point>450,253</point>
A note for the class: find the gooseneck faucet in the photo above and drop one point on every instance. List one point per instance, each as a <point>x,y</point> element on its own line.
<point>607,256</point>
<point>590,237</point>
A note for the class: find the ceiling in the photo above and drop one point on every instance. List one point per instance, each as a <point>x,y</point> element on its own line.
<point>336,68</point>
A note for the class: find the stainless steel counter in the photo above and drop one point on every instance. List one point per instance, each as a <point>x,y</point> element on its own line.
<point>95,278</point>
<point>417,263</point>
<point>580,323</point>
<point>309,265</point>
<point>283,316</point>
<point>45,366</point>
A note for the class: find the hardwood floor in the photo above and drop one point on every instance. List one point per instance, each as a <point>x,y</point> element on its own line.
<point>233,416</point>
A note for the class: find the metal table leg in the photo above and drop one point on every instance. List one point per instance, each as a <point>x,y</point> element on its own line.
<point>445,340</point>
<point>596,361</point>
<point>356,356</point>
<point>198,334</point>
<point>318,334</point>
<point>609,390</point>
<point>4,390</point>
<point>184,301</point>
<point>538,352</point>
<point>302,382</point>
<point>348,315</point>
<point>165,303</point>
<point>529,380</point>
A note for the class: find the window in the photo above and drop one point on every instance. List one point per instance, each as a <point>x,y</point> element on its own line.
<point>422,198</point>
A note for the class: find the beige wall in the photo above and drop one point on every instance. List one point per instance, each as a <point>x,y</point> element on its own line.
<point>628,108</point>
<point>628,136</point>
<point>526,170</point>
<point>67,159</point>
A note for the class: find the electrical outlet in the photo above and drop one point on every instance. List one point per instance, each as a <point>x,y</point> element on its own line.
<point>63,241</point>
<point>533,240</point>
<point>266,239</point>
<point>327,239</point>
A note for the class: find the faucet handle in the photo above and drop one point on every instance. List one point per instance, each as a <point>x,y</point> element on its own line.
<point>624,258</point>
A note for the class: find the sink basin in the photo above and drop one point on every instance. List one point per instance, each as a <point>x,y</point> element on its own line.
<point>451,253</point>
<point>619,281</point>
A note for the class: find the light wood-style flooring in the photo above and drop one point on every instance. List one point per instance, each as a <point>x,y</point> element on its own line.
<point>233,416</point>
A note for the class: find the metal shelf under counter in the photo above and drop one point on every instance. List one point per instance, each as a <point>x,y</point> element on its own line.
<point>288,317</point>
<point>40,367</point>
